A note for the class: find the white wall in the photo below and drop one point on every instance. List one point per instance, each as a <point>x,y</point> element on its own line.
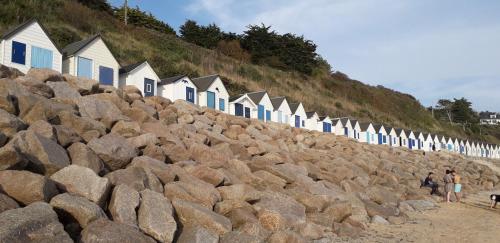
<point>100,56</point>
<point>312,123</point>
<point>136,77</point>
<point>31,35</point>
<point>246,102</point>
<point>177,90</point>
<point>371,134</point>
<point>285,113</point>
<point>299,112</point>
<point>221,94</point>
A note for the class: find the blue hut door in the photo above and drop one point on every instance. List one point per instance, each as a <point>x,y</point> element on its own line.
<point>18,52</point>
<point>410,144</point>
<point>247,112</point>
<point>190,94</point>
<point>297,121</point>
<point>210,99</point>
<point>41,58</point>
<point>84,68</point>
<point>105,75</point>
<point>238,109</point>
<point>149,87</point>
<point>260,112</point>
<point>346,131</point>
<point>222,104</point>
<point>268,115</point>
<point>390,140</point>
<point>380,138</point>
<point>367,137</point>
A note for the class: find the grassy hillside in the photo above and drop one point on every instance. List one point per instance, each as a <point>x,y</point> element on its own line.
<point>332,94</point>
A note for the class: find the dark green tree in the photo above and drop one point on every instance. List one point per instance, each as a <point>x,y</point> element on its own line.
<point>140,18</point>
<point>205,36</point>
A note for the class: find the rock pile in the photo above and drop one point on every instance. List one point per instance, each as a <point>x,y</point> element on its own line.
<point>84,162</point>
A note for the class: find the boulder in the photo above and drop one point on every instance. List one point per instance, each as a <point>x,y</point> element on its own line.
<point>378,220</point>
<point>10,156</point>
<point>82,181</point>
<point>195,214</point>
<point>241,192</point>
<point>381,210</point>
<point>137,178</point>
<point>123,204</point>
<point>44,74</point>
<point>43,128</point>
<point>3,139</point>
<point>83,156</point>
<point>143,140</point>
<point>86,127</point>
<point>10,124</point>
<point>66,135</point>
<point>207,155</point>
<point>114,150</point>
<point>63,90</point>
<point>7,203</point>
<point>206,174</point>
<point>155,152</point>
<point>202,193</point>
<point>8,72</point>
<point>420,205</point>
<point>127,129</point>
<point>104,230</point>
<point>36,222</point>
<point>155,216</point>
<point>45,155</point>
<point>278,211</point>
<point>26,187</point>
<point>339,210</point>
<point>9,91</point>
<point>285,236</point>
<point>36,87</point>
<point>197,234</point>
<point>83,85</point>
<point>99,109</point>
<point>81,209</point>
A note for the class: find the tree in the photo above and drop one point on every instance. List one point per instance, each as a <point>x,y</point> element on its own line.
<point>205,36</point>
<point>445,105</point>
<point>463,113</point>
<point>137,17</point>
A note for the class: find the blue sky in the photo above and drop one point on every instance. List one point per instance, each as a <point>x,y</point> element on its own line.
<point>430,49</point>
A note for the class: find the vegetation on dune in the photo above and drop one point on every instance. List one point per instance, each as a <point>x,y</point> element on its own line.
<point>243,61</point>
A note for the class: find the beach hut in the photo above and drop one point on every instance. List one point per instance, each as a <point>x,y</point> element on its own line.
<point>242,105</point>
<point>381,134</point>
<point>367,133</point>
<point>325,124</point>
<point>427,142</point>
<point>436,142</point>
<point>298,115</point>
<point>467,148</point>
<point>140,75</point>
<point>282,111</point>
<point>403,137</point>
<point>91,58</point>
<point>264,105</point>
<point>392,136</point>
<point>28,45</point>
<point>473,149</point>
<point>212,93</point>
<point>444,143</point>
<point>337,128</point>
<point>346,129</point>
<point>456,145</point>
<point>312,119</point>
<point>412,140</point>
<point>355,129</point>
<point>178,88</point>
<point>420,140</point>
<point>450,146</point>
<point>461,146</point>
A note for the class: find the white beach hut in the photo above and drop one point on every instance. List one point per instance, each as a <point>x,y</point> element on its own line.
<point>298,115</point>
<point>367,133</point>
<point>403,137</point>
<point>381,134</point>
<point>312,120</point>
<point>355,129</point>
<point>212,93</point>
<point>325,124</point>
<point>91,58</point>
<point>242,105</point>
<point>178,88</point>
<point>140,75</point>
<point>282,111</point>
<point>264,105</point>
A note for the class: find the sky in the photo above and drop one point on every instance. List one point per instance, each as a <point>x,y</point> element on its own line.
<point>427,48</point>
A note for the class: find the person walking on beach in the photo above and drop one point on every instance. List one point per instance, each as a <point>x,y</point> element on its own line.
<point>458,186</point>
<point>448,185</point>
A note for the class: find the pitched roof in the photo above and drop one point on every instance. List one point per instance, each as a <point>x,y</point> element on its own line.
<point>353,122</point>
<point>322,118</point>
<point>310,114</point>
<point>170,80</point>
<point>21,27</point>
<point>364,126</point>
<point>203,83</point>
<point>256,97</point>
<point>75,47</point>
<point>399,131</point>
<point>344,121</point>
<point>377,127</point>
<point>233,98</point>
<point>335,121</point>
<point>131,67</point>
<point>277,101</point>
<point>294,107</point>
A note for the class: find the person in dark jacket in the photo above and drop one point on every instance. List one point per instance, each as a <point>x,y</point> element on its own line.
<point>429,182</point>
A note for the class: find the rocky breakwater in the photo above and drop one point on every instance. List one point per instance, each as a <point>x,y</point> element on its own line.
<point>84,162</point>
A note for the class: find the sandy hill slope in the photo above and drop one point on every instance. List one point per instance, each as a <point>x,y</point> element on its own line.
<point>81,161</point>
<point>335,94</point>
